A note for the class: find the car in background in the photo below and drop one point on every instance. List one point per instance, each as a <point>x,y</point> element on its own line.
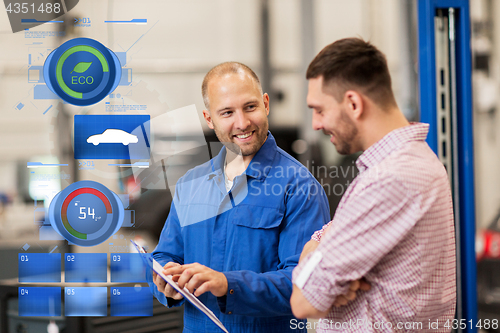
<point>488,273</point>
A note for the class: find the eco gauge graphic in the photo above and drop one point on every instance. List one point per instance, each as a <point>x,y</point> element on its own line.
<point>82,71</point>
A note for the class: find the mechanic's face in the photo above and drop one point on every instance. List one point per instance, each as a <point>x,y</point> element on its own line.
<point>332,117</point>
<point>238,113</point>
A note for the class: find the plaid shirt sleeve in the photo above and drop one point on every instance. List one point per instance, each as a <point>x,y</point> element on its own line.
<point>319,233</point>
<point>372,223</point>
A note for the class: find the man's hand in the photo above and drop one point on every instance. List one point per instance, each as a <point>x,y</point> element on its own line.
<point>199,279</point>
<point>302,309</point>
<point>351,294</point>
<point>163,286</point>
<point>311,245</point>
<point>308,248</point>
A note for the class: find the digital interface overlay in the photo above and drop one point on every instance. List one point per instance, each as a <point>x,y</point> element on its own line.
<point>119,127</point>
<point>86,213</point>
<point>82,71</point>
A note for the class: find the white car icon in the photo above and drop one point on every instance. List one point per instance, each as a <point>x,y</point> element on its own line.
<point>113,136</point>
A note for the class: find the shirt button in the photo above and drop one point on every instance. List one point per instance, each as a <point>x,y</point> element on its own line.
<point>231,291</point>
<point>230,312</point>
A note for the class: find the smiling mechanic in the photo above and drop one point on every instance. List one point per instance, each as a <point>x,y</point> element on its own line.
<point>228,239</point>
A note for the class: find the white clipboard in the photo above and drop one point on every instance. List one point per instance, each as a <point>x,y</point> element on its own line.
<point>155,265</point>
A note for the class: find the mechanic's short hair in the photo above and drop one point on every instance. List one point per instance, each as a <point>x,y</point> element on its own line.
<point>223,69</point>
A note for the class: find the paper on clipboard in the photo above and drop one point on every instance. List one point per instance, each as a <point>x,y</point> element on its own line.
<point>155,265</point>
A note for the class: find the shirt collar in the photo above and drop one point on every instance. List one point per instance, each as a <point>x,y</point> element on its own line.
<point>257,167</point>
<point>390,142</point>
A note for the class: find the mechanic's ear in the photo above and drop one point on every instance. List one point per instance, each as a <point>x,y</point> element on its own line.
<point>265,99</point>
<point>208,119</point>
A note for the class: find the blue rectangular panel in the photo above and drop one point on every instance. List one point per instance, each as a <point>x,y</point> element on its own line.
<point>35,74</point>
<point>86,301</point>
<point>46,232</point>
<point>86,267</point>
<point>112,137</point>
<point>127,267</point>
<point>128,219</point>
<point>39,267</point>
<point>39,301</point>
<point>122,57</point>
<point>41,91</point>
<point>131,301</point>
<point>126,78</point>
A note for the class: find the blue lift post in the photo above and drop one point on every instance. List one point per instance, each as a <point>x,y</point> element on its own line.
<point>462,133</point>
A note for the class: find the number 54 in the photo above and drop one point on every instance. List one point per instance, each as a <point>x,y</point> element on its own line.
<point>83,215</point>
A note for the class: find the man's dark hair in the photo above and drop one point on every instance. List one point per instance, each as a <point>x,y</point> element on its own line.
<point>352,63</point>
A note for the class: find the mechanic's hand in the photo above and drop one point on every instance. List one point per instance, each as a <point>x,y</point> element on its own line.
<point>360,284</point>
<point>163,286</point>
<point>199,279</point>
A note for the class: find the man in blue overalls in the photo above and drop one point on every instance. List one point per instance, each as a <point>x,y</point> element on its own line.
<point>238,223</point>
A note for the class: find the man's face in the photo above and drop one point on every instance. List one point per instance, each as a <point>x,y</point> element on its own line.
<point>238,113</point>
<point>331,117</point>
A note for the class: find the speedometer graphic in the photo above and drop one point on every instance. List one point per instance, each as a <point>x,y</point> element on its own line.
<point>86,213</point>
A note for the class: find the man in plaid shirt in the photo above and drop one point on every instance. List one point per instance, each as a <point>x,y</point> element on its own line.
<point>393,229</point>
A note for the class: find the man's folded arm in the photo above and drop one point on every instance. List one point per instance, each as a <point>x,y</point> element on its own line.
<point>380,217</point>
